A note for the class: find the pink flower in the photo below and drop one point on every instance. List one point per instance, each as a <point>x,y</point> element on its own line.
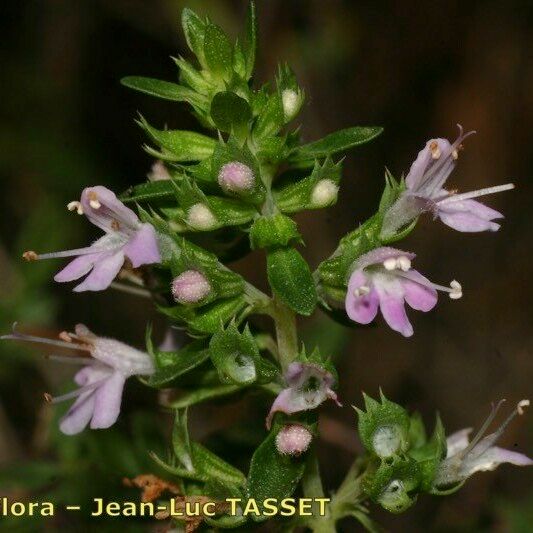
<point>308,385</point>
<point>425,192</point>
<point>383,279</point>
<point>126,237</point>
<point>106,364</point>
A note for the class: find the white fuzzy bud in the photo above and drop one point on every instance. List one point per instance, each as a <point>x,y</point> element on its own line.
<point>291,101</point>
<point>324,193</point>
<point>200,217</point>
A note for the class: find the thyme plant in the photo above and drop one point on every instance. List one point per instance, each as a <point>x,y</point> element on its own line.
<point>213,197</point>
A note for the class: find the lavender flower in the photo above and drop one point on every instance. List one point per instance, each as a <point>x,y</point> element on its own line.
<point>308,385</point>
<point>107,363</point>
<point>126,237</point>
<point>465,458</point>
<point>425,192</point>
<point>383,278</point>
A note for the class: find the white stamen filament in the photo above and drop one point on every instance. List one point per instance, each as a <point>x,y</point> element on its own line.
<point>73,394</point>
<point>42,340</point>
<point>75,206</point>
<point>476,194</point>
<point>363,290</point>
<point>72,360</point>
<point>455,290</point>
<point>33,256</point>
<point>484,427</point>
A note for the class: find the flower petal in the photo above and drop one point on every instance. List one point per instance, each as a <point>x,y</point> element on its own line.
<point>425,163</point>
<point>103,273</point>
<point>491,459</point>
<point>110,212</point>
<point>391,302</point>
<point>418,295</point>
<point>77,268</point>
<point>457,441</point>
<point>108,398</point>
<point>142,248</point>
<point>468,216</point>
<point>79,415</point>
<point>361,309</point>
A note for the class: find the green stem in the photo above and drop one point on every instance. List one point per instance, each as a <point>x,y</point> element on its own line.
<point>287,337</point>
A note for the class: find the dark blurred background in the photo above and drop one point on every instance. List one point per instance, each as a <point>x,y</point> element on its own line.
<point>416,68</point>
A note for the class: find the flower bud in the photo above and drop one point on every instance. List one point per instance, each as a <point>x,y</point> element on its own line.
<point>293,439</point>
<point>291,101</point>
<point>190,287</point>
<point>324,193</point>
<point>200,217</point>
<point>236,177</point>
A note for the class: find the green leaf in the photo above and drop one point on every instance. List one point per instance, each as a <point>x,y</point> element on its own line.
<point>164,89</point>
<point>183,145</point>
<point>150,191</point>
<point>218,52</point>
<point>203,394</point>
<point>291,280</point>
<point>212,466</point>
<point>273,475</point>
<point>178,363</point>
<point>339,141</point>
<point>230,112</point>
<point>250,40</point>
<point>180,440</point>
<point>194,30</point>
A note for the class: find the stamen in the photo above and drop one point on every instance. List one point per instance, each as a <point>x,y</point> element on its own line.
<point>42,340</point>
<point>476,194</point>
<point>30,255</point>
<point>403,263</point>
<point>72,360</point>
<point>390,263</point>
<point>484,427</point>
<point>457,290</point>
<point>93,200</point>
<point>435,150</point>
<point>455,154</point>
<point>363,290</point>
<point>65,336</point>
<point>520,406</point>
<point>75,206</point>
<point>73,394</point>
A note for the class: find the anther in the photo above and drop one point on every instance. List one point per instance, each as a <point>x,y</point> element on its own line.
<point>390,263</point>
<point>435,149</point>
<point>520,406</point>
<point>457,290</point>
<point>30,255</point>
<point>48,397</point>
<point>455,155</point>
<point>363,290</point>
<point>93,200</point>
<point>75,206</point>
<point>65,336</point>
<point>404,263</point>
